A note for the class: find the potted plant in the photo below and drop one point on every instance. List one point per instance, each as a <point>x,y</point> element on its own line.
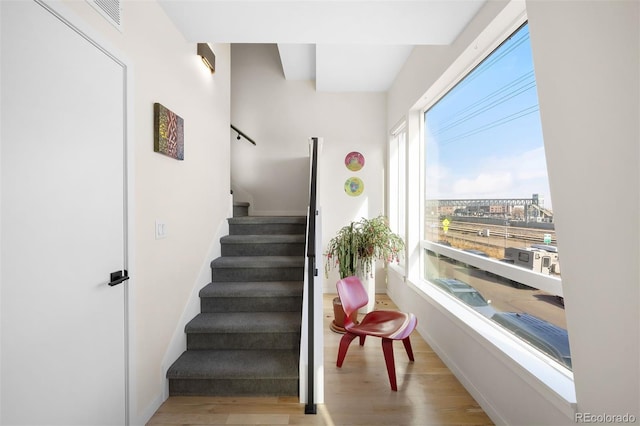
<point>354,249</point>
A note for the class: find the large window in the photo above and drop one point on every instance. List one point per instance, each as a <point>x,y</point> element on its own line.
<point>489,239</point>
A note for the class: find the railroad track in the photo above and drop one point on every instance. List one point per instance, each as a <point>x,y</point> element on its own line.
<point>526,235</point>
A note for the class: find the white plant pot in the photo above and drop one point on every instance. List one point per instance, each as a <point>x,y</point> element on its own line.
<point>369,281</point>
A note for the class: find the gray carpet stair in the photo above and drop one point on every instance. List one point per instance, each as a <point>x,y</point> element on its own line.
<point>267,225</point>
<point>257,268</point>
<point>246,339</point>
<point>240,209</point>
<point>271,296</point>
<point>262,245</point>
<point>235,372</point>
<point>244,330</point>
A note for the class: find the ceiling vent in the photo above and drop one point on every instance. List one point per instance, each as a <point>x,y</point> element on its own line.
<point>110,9</point>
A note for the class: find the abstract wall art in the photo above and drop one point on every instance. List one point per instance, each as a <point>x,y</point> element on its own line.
<point>354,186</point>
<point>168,132</point>
<point>354,161</point>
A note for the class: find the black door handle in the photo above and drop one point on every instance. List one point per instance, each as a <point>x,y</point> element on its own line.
<point>118,277</point>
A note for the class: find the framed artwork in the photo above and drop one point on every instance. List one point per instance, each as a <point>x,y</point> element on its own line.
<point>168,132</point>
<point>353,186</point>
<point>354,161</point>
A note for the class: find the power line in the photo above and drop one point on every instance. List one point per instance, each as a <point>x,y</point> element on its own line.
<point>500,122</point>
<point>530,85</point>
<point>504,93</point>
<point>487,97</point>
<point>491,61</point>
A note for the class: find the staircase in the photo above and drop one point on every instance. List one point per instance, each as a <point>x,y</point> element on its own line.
<point>246,339</point>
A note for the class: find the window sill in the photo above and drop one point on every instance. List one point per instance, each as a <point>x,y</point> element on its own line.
<point>552,381</point>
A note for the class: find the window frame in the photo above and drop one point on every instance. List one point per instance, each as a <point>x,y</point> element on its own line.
<point>554,381</point>
<point>397,181</point>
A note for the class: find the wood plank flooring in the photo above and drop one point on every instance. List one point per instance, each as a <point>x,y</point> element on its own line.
<point>356,394</point>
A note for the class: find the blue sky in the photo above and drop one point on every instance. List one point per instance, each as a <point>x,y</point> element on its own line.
<point>484,138</point>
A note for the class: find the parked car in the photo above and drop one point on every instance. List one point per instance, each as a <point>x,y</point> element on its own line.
<point>547,337</point>
<point>466,294</point>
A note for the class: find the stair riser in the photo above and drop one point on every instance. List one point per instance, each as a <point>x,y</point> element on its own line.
<point>199,341</point>
<point>233,387</point>
<point>257,274</point>
<point>250,304</point>
<point>267,229</point>
<point>275,249</point>
<point>240,211</point>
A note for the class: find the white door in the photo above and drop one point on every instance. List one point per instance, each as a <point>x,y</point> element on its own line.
<point>63,224</point>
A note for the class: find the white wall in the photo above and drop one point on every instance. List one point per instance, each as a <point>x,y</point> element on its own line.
<point>587,62</point>
<point>586,58</point>
<point>281,115</point>
<point>273,174</point>
<point>190,196</point>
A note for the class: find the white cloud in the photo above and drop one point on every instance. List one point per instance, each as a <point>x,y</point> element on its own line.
<point>532,165</point>
<point>487,184</point>
<point>509,176</point>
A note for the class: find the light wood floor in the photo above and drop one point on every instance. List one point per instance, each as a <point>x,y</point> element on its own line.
<point>356,394</point>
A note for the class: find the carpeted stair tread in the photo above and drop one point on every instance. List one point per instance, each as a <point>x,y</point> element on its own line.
<point>263,239</point>
<point>259,220</point>
<point>245,322</point>
<point>267,225</point>
<point>263,245</point>
<point>235,364</point>
<point>253,289</point>
<point>258,262</point>
<point>252,296</point>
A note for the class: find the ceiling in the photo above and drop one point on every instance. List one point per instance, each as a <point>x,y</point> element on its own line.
<point>344,45</point>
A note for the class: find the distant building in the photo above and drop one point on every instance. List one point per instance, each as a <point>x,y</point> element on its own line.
<point>446,210</point>
<point>498,209</point>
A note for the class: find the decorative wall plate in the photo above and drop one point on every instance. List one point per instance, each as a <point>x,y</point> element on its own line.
<point>353,186</point>
<point>354,161</point>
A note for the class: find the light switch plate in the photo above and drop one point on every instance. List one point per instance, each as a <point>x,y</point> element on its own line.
<point>161,229</point>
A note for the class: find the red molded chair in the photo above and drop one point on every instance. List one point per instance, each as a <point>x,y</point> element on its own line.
<point>388,325</point>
